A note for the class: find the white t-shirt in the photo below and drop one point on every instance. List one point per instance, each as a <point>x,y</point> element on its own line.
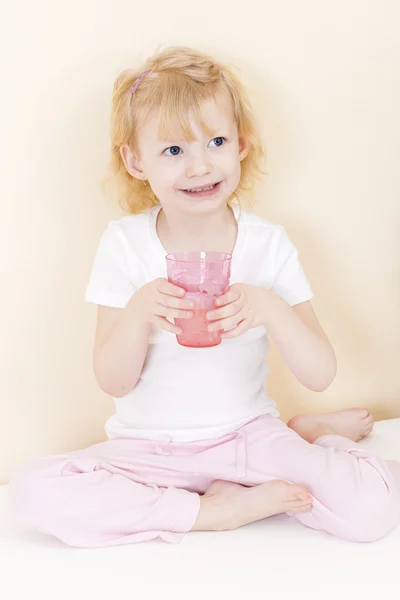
<point>187,394</point>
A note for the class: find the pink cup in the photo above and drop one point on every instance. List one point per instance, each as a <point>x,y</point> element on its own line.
<point>204,276</point>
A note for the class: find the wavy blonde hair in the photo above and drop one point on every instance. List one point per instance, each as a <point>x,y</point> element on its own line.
<point>180,78</point>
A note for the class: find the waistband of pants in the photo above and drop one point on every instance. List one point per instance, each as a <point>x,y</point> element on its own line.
<point>166,447</point>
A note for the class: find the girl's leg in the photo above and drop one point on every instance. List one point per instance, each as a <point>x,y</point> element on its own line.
<point>373,485</point>
<point>356,495</point>
<point>91,498</point>
<point>106,495</point>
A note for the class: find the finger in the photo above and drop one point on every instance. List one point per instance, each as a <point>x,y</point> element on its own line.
<point>173,313</point>
<point>228,323</point>
<point>162,323</point>
<point>230,296</point>
<point>226,311</point>
<point>233,333</point>
<point>166,287</point>
<point>173,302</point>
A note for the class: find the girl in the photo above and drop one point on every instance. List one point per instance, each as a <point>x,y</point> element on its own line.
<point>195,443</point>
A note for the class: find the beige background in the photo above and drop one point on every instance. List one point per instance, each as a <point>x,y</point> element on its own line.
<point>325,82</point>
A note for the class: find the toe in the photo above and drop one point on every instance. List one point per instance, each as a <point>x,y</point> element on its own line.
<point>299,509</point>
<point>300,496</point>
<point>294,493</point>
<point>301,499</point>
<point>365,434</point>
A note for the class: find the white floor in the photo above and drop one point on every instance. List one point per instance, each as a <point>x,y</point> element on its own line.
<point>277,556</point>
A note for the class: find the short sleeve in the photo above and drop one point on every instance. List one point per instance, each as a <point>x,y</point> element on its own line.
<point>289,280</point>
<point>109,282</point>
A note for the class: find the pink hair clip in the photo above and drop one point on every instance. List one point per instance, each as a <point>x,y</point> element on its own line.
<point>138,80</point>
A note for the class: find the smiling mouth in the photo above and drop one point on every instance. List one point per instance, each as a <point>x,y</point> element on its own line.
<point>203,189</point>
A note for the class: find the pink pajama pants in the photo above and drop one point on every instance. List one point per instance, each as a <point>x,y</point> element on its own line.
<point>123,490</point>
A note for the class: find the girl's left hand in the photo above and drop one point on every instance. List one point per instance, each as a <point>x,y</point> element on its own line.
<point>242,307</point>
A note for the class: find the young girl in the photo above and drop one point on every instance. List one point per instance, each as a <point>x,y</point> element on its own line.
<point>195,443</point>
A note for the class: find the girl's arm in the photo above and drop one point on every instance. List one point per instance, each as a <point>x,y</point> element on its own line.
<point>295,330</point>
<point>301,341</point>
<point>120,348</point>
<point>122,335</point>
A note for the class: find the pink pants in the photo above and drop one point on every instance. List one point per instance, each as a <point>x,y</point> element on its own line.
<point>123,490</point>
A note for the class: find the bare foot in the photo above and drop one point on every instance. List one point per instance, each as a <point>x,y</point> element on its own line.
<point>352,423</point>
<point>227,506</point>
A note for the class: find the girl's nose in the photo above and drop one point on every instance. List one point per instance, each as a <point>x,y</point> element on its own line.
<point>198,166</point>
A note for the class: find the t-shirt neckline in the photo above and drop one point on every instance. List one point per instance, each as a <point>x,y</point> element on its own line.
<point>161,251</point>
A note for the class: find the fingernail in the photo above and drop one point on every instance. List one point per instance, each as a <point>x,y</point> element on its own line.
<point>209,316</point>
<point>210,328</point>
<point>300,497</point>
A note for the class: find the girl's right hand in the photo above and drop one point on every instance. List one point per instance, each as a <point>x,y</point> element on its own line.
<point>160,300</point>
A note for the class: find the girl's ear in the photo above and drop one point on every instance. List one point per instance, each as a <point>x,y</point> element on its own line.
<point>132,162</point>
<point>244,147</point>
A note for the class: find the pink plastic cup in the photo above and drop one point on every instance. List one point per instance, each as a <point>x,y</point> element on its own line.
<point>204,276</point>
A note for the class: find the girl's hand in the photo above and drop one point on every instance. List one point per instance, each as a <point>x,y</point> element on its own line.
<point>243,307</point>
<point>160,300</point>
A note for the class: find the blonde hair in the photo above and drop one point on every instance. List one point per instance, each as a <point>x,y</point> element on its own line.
<point>179,79</point>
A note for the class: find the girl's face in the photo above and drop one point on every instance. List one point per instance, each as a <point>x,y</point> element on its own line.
<point>175,168</point>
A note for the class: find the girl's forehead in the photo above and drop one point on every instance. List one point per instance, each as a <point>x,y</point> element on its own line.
<point>211,116</point>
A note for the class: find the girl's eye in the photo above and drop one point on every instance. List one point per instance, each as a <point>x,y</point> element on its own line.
<point>174,151</point>
<point>219,141</point>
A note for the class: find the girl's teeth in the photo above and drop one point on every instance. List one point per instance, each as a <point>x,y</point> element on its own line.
<point>210,187</point>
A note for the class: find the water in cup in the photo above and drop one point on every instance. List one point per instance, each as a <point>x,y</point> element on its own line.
<point>204,276</point>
